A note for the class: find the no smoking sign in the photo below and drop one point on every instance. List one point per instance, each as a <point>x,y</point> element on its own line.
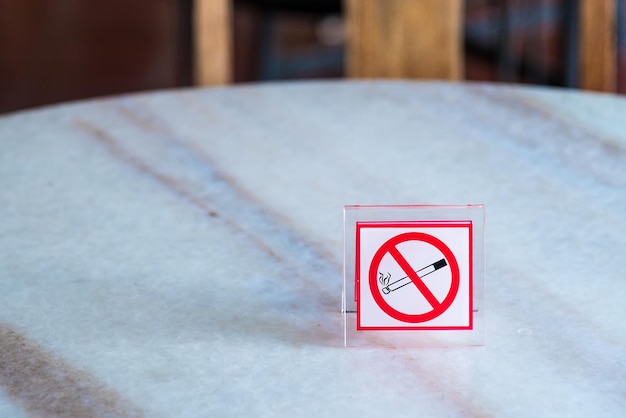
<point>414,275</point>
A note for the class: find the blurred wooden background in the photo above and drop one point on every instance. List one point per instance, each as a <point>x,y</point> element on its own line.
<point>58,50</point>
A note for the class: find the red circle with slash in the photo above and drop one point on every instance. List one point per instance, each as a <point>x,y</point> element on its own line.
<point>390,247</point>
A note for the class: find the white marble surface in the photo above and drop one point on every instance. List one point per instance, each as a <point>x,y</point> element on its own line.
<point>179,253</point>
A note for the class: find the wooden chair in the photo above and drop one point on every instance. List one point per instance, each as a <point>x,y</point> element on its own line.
<point>597,53</point>
<point>212,42</point>
<point>405,38</point>
<point>408,39</point>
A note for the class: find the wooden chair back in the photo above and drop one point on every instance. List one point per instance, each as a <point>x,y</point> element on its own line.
<point>212,42</point>
<point>597,53</point>
<point>404,39</point>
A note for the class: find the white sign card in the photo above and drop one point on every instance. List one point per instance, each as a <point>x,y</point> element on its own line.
<point>413,275</point>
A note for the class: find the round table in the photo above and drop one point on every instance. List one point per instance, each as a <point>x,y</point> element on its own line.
<point>179,253</point>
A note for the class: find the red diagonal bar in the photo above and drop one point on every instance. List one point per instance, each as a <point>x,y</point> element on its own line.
<point>421,286</point>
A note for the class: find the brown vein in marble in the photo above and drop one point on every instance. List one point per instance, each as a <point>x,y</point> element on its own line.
<point>532,108</point>
<point>154,127</point>
<point>45,386</point>
<point>167,181</point>
<point>157,126</point>
<point>610,145</point>
<point>521,101</point>
<point>328,300</point>
<point>173,184</point>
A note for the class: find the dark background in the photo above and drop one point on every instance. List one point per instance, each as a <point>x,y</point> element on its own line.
<point>58,50</point>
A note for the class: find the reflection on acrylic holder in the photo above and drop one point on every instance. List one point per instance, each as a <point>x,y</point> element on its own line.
<point>391,287</point>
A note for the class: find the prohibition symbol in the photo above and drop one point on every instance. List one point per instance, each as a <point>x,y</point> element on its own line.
<point>414,277</point>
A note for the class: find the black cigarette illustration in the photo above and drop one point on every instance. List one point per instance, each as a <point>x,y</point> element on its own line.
<point>391,287</point>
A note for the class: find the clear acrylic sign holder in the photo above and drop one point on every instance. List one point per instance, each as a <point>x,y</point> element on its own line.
<point>414,276</point>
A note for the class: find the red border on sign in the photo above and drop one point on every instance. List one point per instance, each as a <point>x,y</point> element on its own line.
<point>410,224</point>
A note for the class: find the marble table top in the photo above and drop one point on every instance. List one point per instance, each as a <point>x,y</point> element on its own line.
<point>179,253</point>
